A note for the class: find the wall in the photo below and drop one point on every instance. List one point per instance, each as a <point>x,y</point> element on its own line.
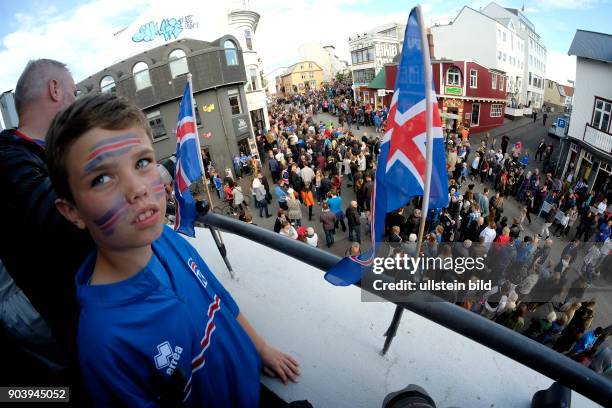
<point>592,78</point>
<point>484,83</point>
<point>471,36</point>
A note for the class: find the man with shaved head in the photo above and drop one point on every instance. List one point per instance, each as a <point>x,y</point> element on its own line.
<point>40,250</point>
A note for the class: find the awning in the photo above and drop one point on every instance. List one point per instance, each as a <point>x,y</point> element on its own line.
<point>449,115</point>
<point>379,81</point>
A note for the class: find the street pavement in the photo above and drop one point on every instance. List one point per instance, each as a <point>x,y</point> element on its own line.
<point>528,132</point>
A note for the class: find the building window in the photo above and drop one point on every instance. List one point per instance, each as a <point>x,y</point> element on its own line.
<point>453,76</point>
<point>473,78</point>
<point>494,81</point>
<point>248,39</point>
<point>504,36</point>
<point>530,78</point>
<point>499,55</point>
<point>234,101</point>
<point>496,110</point>
<point>504,57</point>
<point>501,84</point>
<point>311,75</point>
<point>178,63</point>
<point>107,85</point>
<point>310,65</point>
<point>141,76</point>
<point>197,114</point>
<point>601,114</point>
<point>252,84</point>
<point>301,67</point>
<point>231,56</point>
<point>157,124</point>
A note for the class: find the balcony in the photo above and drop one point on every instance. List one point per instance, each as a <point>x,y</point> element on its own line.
<point>598,138</point>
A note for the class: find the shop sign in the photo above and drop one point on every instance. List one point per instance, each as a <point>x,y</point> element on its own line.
<point>453,90</point>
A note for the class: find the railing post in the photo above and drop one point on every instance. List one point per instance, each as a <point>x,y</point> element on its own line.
<point>392,330</point>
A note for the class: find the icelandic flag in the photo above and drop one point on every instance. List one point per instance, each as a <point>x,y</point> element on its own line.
<point>189,167</point>
<point>401,167</point>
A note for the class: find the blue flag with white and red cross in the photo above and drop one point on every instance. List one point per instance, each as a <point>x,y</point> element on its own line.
<point>189,167</point>
<point>401,167</point>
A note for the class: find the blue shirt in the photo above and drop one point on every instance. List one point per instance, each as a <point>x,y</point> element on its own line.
<point>173,316</point>
<point>335,204</point>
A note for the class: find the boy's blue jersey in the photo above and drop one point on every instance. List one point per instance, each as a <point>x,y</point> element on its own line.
<point>172,316</point>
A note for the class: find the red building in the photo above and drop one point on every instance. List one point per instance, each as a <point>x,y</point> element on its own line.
<point>469,94</point>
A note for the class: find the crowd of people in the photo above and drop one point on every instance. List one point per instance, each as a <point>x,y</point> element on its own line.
<point>311,162</point>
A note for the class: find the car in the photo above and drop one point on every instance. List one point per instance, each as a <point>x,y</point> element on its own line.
<point>560,126</point>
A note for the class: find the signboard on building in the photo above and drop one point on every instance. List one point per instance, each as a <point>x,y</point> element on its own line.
<point>241,125</point>
<point>561,123</point>
<point>452,90</point>
<point>381,92</point>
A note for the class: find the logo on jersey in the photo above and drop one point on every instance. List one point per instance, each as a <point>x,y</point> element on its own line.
<point>196,271</point>
<point>166,357</point>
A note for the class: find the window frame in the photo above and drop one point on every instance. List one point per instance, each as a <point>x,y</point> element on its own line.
<point>493,80</point>
<point>234,93</point>
<point>603,113</point>
<point>140,75</point>
<point>153,117</point>
<point>454,71</point>
<point>110,87</point>
<point>474,76</point>
<point>231,53</point>
<point>498,108</point>
<point>174,62</point>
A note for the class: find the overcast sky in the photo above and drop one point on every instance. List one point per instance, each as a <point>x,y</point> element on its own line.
<point>80,33</point>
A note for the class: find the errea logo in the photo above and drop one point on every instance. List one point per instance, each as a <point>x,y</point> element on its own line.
<point>196,271</point>
<point>166,357</point>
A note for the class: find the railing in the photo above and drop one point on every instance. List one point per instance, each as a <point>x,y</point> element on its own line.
<point>484,331</point>
<point>598,138</point>
<point>514,112</point>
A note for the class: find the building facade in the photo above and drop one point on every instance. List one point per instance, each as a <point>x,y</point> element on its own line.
<point>370,51</point>
<point>469,94</point>
<point>155,81</point>
<point>325,57</point>
<point>498,46</point>
<point>534,53</point>
<point>165,22</point>
<point>554,96</point>
<point>300,77</point>
<point>273,80</point>
<point>587,151</point>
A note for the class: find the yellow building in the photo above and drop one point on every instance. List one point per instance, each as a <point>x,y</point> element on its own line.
<point>554,96</point>
<point>300,77</point>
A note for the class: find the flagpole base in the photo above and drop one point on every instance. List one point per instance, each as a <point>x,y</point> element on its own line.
<point>392,330</point>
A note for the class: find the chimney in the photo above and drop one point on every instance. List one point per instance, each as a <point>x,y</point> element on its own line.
<point>430,41</point>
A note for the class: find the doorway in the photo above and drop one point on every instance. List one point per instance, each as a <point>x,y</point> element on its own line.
<point>475,120</point>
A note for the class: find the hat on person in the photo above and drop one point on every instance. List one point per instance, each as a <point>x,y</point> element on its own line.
<point>310,231</point>
<point>551,317</point>
<point>412,237</point>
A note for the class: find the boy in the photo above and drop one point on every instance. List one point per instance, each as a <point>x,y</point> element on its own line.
<point>155,326</point>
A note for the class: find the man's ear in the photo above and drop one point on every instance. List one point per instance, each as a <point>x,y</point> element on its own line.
<point>70,212</point>
<point>54,90</point>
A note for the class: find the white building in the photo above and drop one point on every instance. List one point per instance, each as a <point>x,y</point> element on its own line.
<point>534,52</point>
<point>325,57</point>
<point>370,51</point>
<point>168,21</point>
<point>587,152</point>
<point>273,80</point>
<point>493,43</point>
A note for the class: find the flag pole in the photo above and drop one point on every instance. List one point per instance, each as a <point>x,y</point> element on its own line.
<point>193,115</point>
<point>397,316</point>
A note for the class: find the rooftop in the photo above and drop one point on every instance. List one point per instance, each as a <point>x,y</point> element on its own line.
<point>592,45</point>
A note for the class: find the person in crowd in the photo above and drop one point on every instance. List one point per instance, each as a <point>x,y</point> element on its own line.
<point>354,222</point>
<point>294,208</point>
<point>140,263</point>
<point>328,221</point>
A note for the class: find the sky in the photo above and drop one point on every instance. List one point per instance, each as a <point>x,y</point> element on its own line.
<point>80,32</point>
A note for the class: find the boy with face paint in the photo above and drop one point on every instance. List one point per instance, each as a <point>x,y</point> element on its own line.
<point>155,326</point>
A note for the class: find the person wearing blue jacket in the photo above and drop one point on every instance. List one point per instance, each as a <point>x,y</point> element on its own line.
<point>156,328</point>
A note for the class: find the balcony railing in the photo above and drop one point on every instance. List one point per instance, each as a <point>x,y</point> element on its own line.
<point>598,138</point>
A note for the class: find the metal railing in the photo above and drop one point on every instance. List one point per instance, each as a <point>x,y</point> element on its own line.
<point>484,331</point>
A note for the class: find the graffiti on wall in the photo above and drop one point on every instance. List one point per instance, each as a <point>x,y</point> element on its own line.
<point>169,28</point>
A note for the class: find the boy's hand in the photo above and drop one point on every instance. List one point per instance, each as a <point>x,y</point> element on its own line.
<point>278,364</point>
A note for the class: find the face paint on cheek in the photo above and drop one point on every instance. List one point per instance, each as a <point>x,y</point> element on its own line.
<point>113,147</point>
<point>157,188</point>
<point>108,220</point>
